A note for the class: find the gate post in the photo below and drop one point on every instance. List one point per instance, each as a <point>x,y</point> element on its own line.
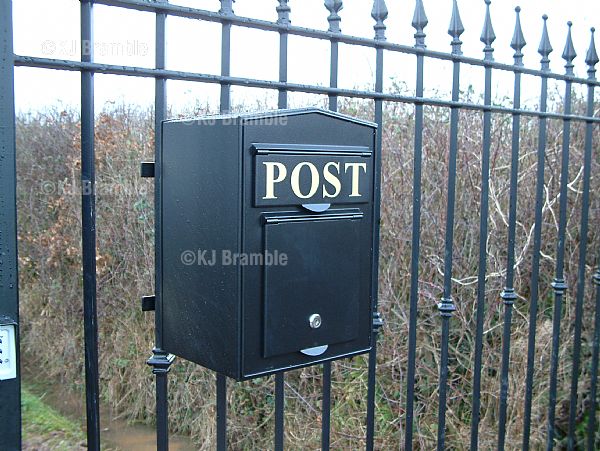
<point>10,384</point>
<point>160,361</point>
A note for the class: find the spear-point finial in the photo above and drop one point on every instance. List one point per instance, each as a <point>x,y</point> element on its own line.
<point>226,7</point>
<point>518,40</point>
<point>455,29</point>
<point>379,14</point>
<point>569,53</point>
<point>591,59</point>
<point>283,12</point>
<point>419,23</point>
<point>334,7</point>
<point>487,34</point>
<point>545,48</point>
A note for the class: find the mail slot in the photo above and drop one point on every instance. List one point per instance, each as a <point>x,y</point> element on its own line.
<point>267,228</point>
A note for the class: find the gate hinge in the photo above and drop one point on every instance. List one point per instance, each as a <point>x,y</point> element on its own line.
<point>148,303</point>
<point>377,322</point>
<point>147,169</point>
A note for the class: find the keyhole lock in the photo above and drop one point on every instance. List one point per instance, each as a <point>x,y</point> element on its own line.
<point>315,321</point>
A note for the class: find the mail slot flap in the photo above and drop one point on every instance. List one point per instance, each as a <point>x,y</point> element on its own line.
<point>321,277</point>
<point>310,149</point>
<point>294,174</point>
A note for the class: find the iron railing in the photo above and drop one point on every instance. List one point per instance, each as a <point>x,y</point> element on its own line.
<point>161,361</point>
<point>10,389</point>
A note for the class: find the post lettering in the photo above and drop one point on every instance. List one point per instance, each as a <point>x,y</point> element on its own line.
<point>332,179</point>
<point>271,179</point>
<point>355,167</point>
<point>314,177</point>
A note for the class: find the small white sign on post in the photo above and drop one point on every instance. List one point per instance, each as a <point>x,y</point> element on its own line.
<point>8,353</point>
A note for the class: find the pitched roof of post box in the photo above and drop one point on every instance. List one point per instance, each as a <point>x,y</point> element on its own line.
<point>243,117</point>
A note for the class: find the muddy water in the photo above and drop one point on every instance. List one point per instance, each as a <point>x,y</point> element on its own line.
<point>122,436</point>
<point>116,434</point>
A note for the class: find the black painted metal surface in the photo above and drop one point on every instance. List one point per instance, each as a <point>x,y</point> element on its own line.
<point>446,305</point>
<point>252,315</point>
<point>544,50</point>
<point>419,23</point>
<point>88,234</point>
<point>487,38</point>
<point>10,389</point>
<point>591,61</point>
<point>379,13</point>
<point>508,295</point>
<point>559,283</point>
<point>160,361</point>
<point>283,13</point>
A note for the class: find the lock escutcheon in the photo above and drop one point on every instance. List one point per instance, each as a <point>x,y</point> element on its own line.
<point>315,321</point>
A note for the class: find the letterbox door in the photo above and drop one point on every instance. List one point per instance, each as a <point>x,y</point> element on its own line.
<point>321,277</point>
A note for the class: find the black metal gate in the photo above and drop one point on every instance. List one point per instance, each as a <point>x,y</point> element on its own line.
<point>161,361</point>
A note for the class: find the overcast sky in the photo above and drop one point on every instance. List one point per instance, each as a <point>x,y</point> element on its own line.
<point>50,28</point>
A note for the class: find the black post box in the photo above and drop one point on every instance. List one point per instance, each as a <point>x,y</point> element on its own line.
<point>267,228</point>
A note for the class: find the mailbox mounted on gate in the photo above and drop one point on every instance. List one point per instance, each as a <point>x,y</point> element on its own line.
<point>268,227</point>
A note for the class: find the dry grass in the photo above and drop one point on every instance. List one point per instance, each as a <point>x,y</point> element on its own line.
<point>48,148</point>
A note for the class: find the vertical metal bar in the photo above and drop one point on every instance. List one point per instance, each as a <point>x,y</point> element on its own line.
<point>591,60</point>
<point>160,361</point>
<point>160,114</point>
<point>333,76</point>
<point>10,389</point>
<point>371,396</point>
<point>483,237</point>
<point>162,420</point>
<point>591,429</point>
<point>415,253</point>
<point>225,107</point>
<point>508,295</point>
<point>226,9</point>
<point>279,409</point>
<point>379,13</point>
<point>283,44</point>
<point>559,283</point>
<point>581,275</point>
<point>283,11</point>
<point>373,353</point>
<point>545,49</point>
<point>225,67</point>
<point>326,407</point>
<point>334,27</point>
<point>221,412</point>
<point>88,233</point>
<point>487,38</point>
<point>334,19</point>
<point>419,23</point>
<point>446,306</point>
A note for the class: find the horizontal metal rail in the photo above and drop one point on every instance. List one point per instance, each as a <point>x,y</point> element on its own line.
<point>49,63</point>
<point>248,22</point>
